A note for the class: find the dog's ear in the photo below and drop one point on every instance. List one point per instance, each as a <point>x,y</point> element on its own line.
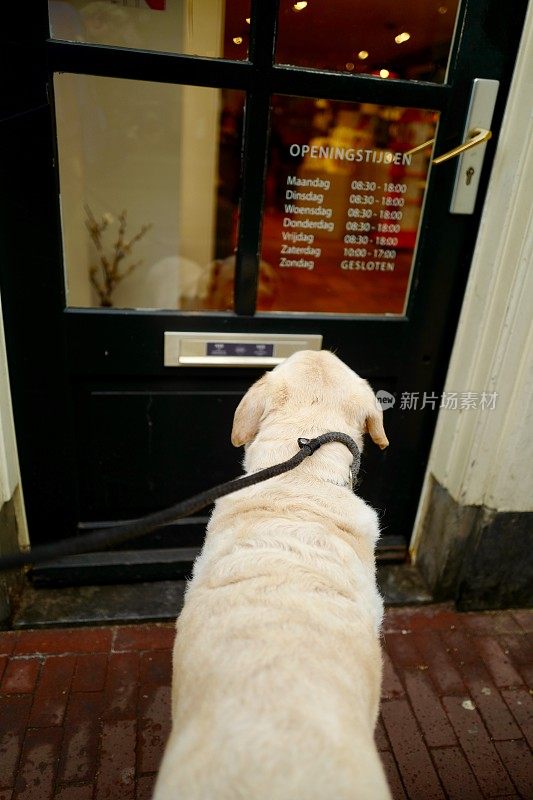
<point>249,412</point>
<point>374,426</point>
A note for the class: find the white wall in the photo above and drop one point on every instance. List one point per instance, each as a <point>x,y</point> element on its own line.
<point>9,474</point>
<point>485,457</point>
<point>9,466</point>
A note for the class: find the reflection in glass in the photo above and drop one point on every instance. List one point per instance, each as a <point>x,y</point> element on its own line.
<point>342,205</point>
<point>150,186</point>
<point>409,39</point>
<point>212,28</point>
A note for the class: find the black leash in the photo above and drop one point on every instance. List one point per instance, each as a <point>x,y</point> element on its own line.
<point>137,527</point>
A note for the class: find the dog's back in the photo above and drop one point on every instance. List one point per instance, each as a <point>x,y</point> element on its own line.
<point>277,669</point>
<point>277,665</point>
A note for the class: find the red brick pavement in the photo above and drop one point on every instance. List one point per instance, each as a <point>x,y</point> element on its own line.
<point>84,713</point>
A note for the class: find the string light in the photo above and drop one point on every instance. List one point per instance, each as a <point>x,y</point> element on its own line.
<point>362,54</point>
<point>300,5</point>
<point>237,40</point>
<point>402,37</point>
<point>384,73</point>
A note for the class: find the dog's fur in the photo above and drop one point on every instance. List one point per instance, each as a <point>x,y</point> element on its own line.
<point>277,663</point>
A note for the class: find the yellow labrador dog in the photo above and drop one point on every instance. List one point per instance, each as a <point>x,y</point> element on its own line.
<point>277,665</point>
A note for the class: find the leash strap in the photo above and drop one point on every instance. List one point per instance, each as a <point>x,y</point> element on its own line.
<point>137,527</point>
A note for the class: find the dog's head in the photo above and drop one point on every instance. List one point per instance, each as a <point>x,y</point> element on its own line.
<point>316,390</point>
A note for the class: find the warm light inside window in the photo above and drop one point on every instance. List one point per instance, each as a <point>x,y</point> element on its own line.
<point>411,39</point>
<point>402,37</point>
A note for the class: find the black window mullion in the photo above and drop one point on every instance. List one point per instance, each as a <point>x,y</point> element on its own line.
<point>302,82</point>
<point>147,65</point>
<point>255,141</point>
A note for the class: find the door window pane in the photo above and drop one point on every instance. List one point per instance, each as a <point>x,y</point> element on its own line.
<point>213,28</point>
<point>409,39</point>
<point>342,206</point>
<point>150,184</point>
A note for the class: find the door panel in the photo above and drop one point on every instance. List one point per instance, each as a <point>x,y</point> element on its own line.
<point>144,447</point>
<point>104,428</point>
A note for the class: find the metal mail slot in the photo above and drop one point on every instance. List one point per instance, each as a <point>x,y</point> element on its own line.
<point>184,349</point>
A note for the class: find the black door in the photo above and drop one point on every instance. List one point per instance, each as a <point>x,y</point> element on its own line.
<point>262,157</point>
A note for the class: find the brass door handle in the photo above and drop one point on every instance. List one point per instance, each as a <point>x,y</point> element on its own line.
<point>419,147</point>
<point>477,136</point>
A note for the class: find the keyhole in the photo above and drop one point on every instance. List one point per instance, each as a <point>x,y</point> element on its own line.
<point>470,171</point>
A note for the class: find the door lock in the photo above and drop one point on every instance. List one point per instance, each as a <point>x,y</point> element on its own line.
<point>470,171</point>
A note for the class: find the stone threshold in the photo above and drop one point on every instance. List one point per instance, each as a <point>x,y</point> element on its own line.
<point>400,584</point>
